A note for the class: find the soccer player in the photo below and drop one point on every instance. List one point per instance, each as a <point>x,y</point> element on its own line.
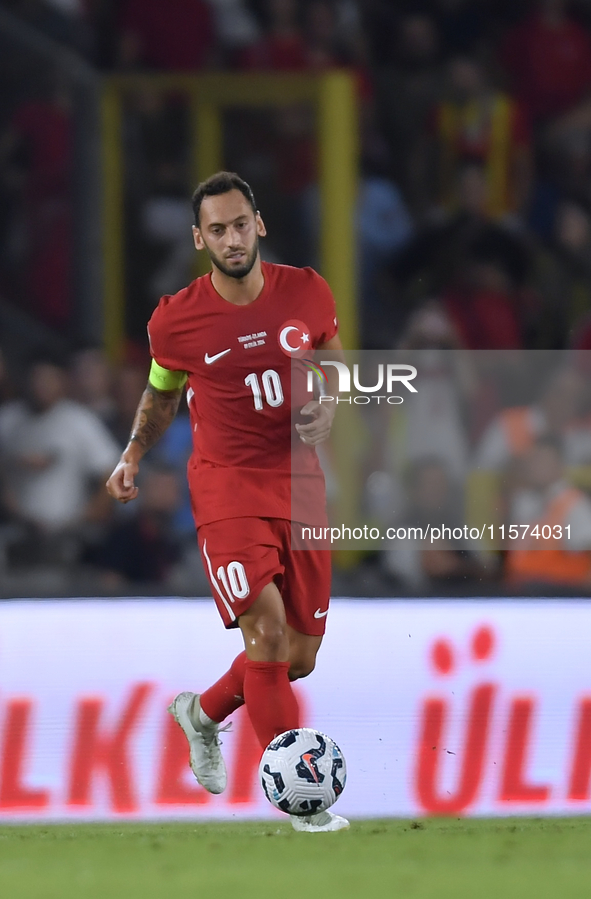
<point>232,334</point>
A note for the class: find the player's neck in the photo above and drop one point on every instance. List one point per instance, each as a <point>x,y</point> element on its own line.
<point>239,291</point>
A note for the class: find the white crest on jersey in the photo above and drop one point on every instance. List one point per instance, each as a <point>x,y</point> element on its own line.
<point>294,338</point>
<point>284,342</point>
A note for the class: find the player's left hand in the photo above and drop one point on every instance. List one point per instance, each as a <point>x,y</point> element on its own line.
<point>319,428</point>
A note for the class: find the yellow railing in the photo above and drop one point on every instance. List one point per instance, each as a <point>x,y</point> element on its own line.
<point>334,98</point>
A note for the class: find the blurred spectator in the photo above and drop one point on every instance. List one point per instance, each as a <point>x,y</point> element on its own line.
<point>434,423</point>
<point>36,157</point>
<point>322,51</point>
<point>476,264</point>
<point>287,149</point>
<point>431,428</point>
<point>563,276</point>
<point>567,146</point>
<point>349,22</point>
<point>310,37</point>
<point>55,457</point>
<point>557,414</point>
<point>129,384</point>
<point>429,328</point>
<point>408,86</point>
<point>319,34</point>
<point>173,451</point>
<point>142,549</point>
<point>483,304</point>
<point>558,552</point>
<point>235,24</point>
<point>176,36</point>
<point>282,46</point>
<point>549,58</point>
<point>167,221</point>
<point>297,38</point>
<point>160,250</point>
<point>91,385</point>
<point>433,497</point>
<point>156,134</point>
<point>384,226</point>
<point>477,122</point>
<point>334,37</point>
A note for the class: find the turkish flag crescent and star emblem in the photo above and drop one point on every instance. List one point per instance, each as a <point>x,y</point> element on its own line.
<point>294,338</point>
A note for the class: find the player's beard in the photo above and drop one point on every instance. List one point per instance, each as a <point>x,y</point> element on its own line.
<point>236,271</point>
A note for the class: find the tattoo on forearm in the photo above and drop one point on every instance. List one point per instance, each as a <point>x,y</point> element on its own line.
<point>155,412</point>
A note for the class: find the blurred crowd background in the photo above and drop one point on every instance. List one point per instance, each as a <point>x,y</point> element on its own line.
<point>473,233</point>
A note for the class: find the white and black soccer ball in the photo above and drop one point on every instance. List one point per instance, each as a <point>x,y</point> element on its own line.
<point>302,772</point>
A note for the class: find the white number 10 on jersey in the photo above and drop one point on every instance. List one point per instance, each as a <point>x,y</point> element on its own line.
<point>271,387</point>
<point>234,580</point>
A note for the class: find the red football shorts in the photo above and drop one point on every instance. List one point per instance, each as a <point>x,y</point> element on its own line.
<point>243,555</point>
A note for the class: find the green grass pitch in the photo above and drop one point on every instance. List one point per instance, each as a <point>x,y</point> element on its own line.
<point>518,858</point>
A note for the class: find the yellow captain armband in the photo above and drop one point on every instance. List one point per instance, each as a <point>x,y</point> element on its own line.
<point>164,379</point>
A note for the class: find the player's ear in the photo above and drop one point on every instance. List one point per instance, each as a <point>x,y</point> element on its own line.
<point>261,230</point>
<point>197,239</point>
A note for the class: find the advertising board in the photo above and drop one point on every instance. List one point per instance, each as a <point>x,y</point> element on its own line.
<point>471,707</point>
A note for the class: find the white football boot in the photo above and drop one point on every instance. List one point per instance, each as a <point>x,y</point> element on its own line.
<point>205,758</point>
<point>321,822</point>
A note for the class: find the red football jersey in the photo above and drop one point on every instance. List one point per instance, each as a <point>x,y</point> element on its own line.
<point>246,451</point>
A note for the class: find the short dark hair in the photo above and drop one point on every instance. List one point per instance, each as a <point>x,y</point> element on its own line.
<point>221,183</point>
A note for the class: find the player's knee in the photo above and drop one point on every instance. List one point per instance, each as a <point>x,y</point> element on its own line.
<point>270,637</point>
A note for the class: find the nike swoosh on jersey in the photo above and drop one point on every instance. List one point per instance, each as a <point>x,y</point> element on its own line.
<point>209,359</point>
<point>319,614</point>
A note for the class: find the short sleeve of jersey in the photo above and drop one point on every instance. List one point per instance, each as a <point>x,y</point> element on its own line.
<point>159,337</point>
<point>324,302</point>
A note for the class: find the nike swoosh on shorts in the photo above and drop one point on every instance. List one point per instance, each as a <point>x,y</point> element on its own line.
<point>319,614</point>
<point>209,359</point>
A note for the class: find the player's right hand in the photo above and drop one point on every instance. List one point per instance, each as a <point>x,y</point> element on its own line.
<point>121,484</point>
